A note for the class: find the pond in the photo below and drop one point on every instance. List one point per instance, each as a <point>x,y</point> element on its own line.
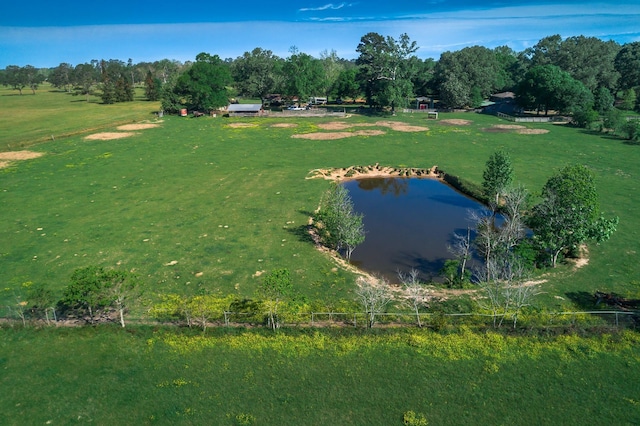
<point>409,222</point>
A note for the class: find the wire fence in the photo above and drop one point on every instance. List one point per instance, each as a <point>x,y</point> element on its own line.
<point>434,320</point>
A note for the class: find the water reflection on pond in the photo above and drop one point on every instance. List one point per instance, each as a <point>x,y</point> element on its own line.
<point>409,223</point>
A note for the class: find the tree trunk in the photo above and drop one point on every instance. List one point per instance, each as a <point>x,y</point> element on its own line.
<point>121,316</point>
<point>418,318</point>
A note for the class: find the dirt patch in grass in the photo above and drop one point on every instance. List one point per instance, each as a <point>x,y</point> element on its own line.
<point>516,128</point>
<point>20,155</point>
<point>106,136</point>
<point>140,126</point>
<point>401,127</point>
<point>532,131</point>
<point>339,125</point>
<point>397,126</point>
<point>321,136</point>
<point>456,122</point>
<point>508,126</point>
<point>241,125</point>
<point>284,125</point>
<point>7,157</point>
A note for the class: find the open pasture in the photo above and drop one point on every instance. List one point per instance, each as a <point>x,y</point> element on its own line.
<point>210,203</point>
<point>106,375</point>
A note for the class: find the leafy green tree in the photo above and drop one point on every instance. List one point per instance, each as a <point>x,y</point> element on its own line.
<point>61,76</point>
<point>209,307</point>
<point>152,87</point>
<point>346,85</point>
<point>84,79</point>
<point>304,75</point>
<point>613,121</point>
<point>454,93</point>
<point>628,100</point>
<point>631,130</point>
<point>14,77</point>
<point>546,51</point>
<point>497,175</point>
<point>331,67</point>
<point>585,118</point>
<point>204,85</point>
<point>547,87</point>
<point>568,214</point>
<point>337,223</point>
<point>256,73</point>
<point>473,69</point>
<point>627,63</point>
<point>87,290</point>
<point>511,69</point>
<point>423,76</point>
<point>386,69</point>
<point>32,77</point>
<point>94,288</point>
<point>589,60</point>
<point>603,100</point>
<point>115,83</point>
<point>275,287</point>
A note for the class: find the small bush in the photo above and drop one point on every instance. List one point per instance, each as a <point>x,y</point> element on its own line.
<point>411,418</point>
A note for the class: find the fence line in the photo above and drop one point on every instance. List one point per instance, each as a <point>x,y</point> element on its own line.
<point>528,119</point>
<point>322,319</point>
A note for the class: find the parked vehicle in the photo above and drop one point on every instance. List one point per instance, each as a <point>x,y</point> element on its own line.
<point>315,100</point>
<point>294,108</point>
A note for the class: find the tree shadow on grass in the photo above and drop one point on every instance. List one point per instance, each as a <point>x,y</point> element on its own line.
<point>583,300</point>
<point>302,232</point>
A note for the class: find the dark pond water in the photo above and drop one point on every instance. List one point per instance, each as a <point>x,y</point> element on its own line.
<point>408,222</point>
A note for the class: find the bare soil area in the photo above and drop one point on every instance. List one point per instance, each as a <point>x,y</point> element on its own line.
<point>337,135</point>
<point>284,125</point>
<point>7,157</point>
<point>140,126</point>
<point>340,125</point>
<point>532,131</point>
<point>106,136</point>
<point>20,155</point>
<point>241,125</point>
<point>456,122</point>
<point>508,126</point>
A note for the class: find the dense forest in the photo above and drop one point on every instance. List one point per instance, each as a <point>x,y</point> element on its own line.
<point>580,76</point>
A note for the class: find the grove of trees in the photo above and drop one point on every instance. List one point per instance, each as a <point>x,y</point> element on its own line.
<point>584,76</point>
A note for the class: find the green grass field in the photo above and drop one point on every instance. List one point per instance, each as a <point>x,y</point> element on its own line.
<point>108,376</point>
<point>51,114</point>
<point>225,203</point>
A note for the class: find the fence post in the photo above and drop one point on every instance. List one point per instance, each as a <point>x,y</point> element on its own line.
<point>311,319</point>
<point>616,319</point>
<point>226,319</point>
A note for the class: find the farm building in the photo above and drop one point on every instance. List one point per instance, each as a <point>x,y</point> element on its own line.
<point>245,110</point>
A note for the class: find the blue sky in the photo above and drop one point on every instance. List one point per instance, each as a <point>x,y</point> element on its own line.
<point>46,33</point>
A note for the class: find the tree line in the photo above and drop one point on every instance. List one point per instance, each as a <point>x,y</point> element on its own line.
<point>575,75</point>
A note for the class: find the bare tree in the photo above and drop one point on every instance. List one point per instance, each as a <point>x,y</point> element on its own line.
<point>461,249</point>
<point>415,292</point>
<point>507,290</point>
<point>374,296</point>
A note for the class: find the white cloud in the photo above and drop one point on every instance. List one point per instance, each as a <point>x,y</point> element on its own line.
<point>329,6</point>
